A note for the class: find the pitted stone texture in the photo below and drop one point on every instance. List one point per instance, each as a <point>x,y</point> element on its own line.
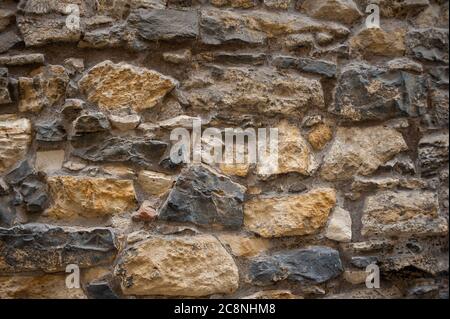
<point>365,92</point>
<point>39,247</point>
<point>344,11</point>
<point>202,196</point>
<point>433,153</point>
<point>44,87</point>
<point>114,86</point>
<point>395,213</point>
<point>191,266</point>
<point>429,44</point>
<point>261,91</point>
<point>22,59</point>
<point>89,197</point>
<point>292,215</point>
<point>360,151</point>
<point>314,264</point>
<point>38,287</point>
<point>5,97</point>
<point>376,41</point>
<point>15,138</point>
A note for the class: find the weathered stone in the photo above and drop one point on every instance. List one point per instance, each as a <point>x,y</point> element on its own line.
<point>38,287</point>
<point>182,121</point>
<point>167,24</point>
<point>440,105</point>
<point>255,28</point>
<point>107,37</point>
<point>294,154</point>
<point>145,213</point>
<point>87,197</point>
<point>74,65</point>
<point>125,122</point>
<point>277,4</point>
<point>376,41</point>
<point>191,266</point>
<point>355,277</point>
<point>319,136</point>
<point>5,18</point>
<point>402,213</point>
<point>314,264</point>
<point>344,11</point>
<point>242,4</point>
<point>365,92</point>
<point>433,16</point>
<point>155,183</point>
<point>8,40</point>
<point>49,161</point>
<point>91,123</point>
<point>382,293</point>
<point>430,44</point>
<point>5,97</point>
<point>101,289</point>
<point>340,226</point>
<point>261,91</point>
<point>44,88</point>
<point>72,108</point>
<point>433,153</point>
<point>39,247</point>
<point>360,151</point>
<point>15,138</point>
<point>235,57</point>
<point>178,57</point>
<point>244,246</point>
<point>321,67</point>
<point>140,151</point>
<point>22,59</point>
<point>39,30</point>
<point>292,215</point>
<point>203,197</point>
<point>52,131</point>
<point>405,64</point>
<point>121,85</point>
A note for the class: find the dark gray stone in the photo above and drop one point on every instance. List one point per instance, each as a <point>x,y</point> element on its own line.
<point>22,171</point>
<point>321,67</point>
<point>240,58</point>
<point>433,153</point>
<point>91,123</point>
<point>314,264</point>
<point>52,131</point>
<point>5,97</point>
<point>214,30</point>
<point>363,261</point>
<point>144,152</point>
<point>39,247</point>
<point>100,290</point>
<point>203,197</point>
<point>430,44</point>
<point>365,92</point>
<point>165,24</point>
<point>8,40</point>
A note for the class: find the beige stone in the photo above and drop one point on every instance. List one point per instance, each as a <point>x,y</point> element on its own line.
<point>319,136</point>
<point>294,154</point>
<point>15,138</point>
<point>124,122</point>
<point>49,161</point>
<point>273,294</point>
<point>340,226</point>
<point>355,277</point>
<point>191,266</point>
<point>293,215</point>
<point>235,169</point>
<point>360,151</point>
<point>44,87</point>
<point>114,86</point>
<point>244,246</point>
<point>376,41</point>
<point>397,213</point>
<point>89,197</point>
<point>38,287</point>
<point>344,11</point>
<point>155,183</point>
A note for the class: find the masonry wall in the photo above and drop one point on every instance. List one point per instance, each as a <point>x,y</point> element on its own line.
<point>90,92</point>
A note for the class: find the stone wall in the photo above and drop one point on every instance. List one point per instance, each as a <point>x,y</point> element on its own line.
<point>85,177</point>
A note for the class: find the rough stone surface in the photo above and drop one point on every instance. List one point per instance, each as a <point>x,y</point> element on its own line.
<point>47,248</point>
<point>360,151</point>
<point>433,153</point>
<point>376,41</point>
<point>289,215</point>
<point>157,266</point>
<point>430,44</point>
<point>22,59</point>
<point>340,226</point>
<point>313,264</point>
<point>155,183</point>
<point>114,86</point>
<point>203,197</point>
<point>345,11</point>
<point>89,197</point>
<point>5,97</point>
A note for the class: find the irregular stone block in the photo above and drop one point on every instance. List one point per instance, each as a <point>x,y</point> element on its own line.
<point>8,39</point>
<point>5,97</point>
<point>155,183</point>
<point>39,247</point>
<point>360,151</point>
<point>242,246</point>
<point>340,226</point>
<point>319,136</point>
<point>93,122</point>
<point>292,215</point>
<point>167,24</point>
<point>376,41</point>
<point>429,44</point>
<point>89,197</point>
<point>203,197</point>
<point>15,138</point>
<point>314,264</point>
<point>321,67</point>
<point>404,213</point>
<point>52,131</point>
<point>191,266</point>
<point>22,59</point>
<point>113,86</point>
<point>433,153</point>
<point>344,11</point>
